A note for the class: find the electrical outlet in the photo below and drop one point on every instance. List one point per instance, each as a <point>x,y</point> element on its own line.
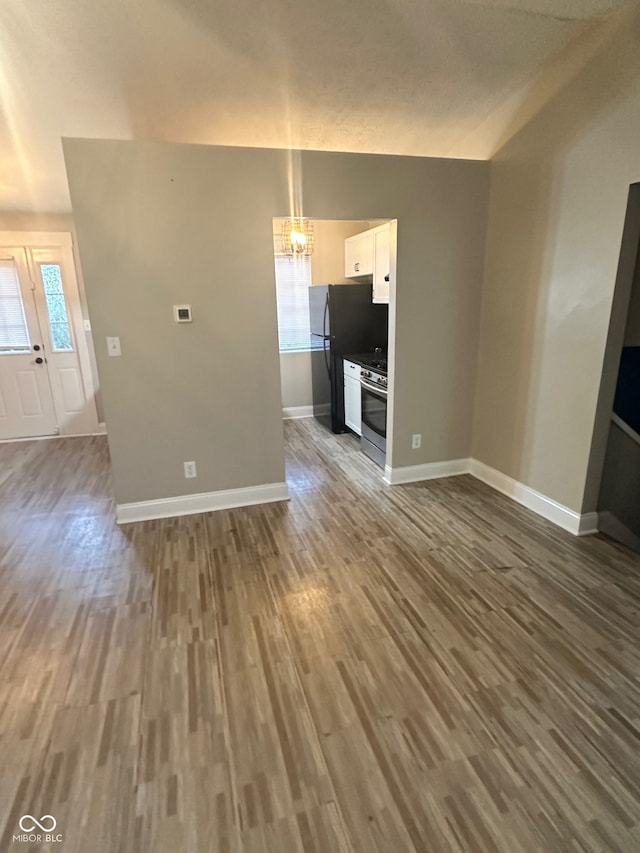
<point>113,347</point>
<point>416,440</point>
<point>190,470</point>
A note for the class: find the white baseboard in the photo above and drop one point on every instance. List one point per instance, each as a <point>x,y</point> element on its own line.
<point>204,502</point>
<point>100,430</point>
<point>428,471</point>
<point>568,519</point>
<point>289,412</point>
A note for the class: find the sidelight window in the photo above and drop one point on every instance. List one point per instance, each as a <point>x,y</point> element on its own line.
<point>56,308</point>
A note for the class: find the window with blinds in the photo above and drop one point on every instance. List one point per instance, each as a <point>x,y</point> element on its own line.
<point>293,279</point>
<point>14,335</point>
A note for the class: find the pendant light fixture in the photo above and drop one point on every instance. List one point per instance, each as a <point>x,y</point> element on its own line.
<point>297,236</point>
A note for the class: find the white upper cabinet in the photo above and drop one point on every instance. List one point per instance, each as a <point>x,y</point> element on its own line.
<point>369,254</point>
<point>381,262</point>
<point>358,255</point>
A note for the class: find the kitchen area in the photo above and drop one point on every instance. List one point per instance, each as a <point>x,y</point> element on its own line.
<point>348,308</point>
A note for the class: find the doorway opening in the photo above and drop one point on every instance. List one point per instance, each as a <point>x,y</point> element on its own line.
<point>616,443</point>
<point>336,308</point>
<point>46,386</point>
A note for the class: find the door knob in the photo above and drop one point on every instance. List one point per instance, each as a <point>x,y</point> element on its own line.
<point>39,360</point>
<point>36,347</point>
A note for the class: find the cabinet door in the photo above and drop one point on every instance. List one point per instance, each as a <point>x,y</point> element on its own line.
<point>381,263</point>
<point>350,256</point>
<point>358,255</point>
<point>352,405</point>
<point>352,402</point>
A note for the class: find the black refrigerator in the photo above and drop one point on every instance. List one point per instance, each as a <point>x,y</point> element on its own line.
<point>343,321</point>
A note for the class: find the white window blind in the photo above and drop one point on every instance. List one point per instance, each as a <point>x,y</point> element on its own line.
<point>14,334</point>
<point>293,279</point>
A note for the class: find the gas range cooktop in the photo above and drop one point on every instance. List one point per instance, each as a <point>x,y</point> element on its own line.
<point>375,362</point>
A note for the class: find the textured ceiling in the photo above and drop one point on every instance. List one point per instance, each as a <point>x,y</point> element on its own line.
<point>391,76</point>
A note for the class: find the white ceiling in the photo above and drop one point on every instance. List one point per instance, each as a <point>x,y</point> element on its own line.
<point>391,76</point>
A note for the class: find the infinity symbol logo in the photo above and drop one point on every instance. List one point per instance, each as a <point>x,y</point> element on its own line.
<point>47,823</point>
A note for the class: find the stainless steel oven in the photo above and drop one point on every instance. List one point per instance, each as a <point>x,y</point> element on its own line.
<point>373,389</point>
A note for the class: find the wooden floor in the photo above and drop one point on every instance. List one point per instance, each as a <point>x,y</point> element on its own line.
<point>423,668</point>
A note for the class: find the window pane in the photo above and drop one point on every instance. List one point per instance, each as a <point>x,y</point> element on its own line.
<point>13,324</point>
<point>61,336</point>
<point>56,307</point>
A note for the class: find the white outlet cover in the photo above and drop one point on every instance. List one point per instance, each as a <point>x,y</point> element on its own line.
<point>113,346</point>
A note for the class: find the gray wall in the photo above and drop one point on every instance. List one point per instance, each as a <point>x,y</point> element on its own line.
<point>327,261</point>
<point>159,224</point>
<point>558,199</point>
<point>295,379</point>
<point>620,490</point>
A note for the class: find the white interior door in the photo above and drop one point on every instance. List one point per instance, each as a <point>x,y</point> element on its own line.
<point>26,401</point>
<point>58,306</point>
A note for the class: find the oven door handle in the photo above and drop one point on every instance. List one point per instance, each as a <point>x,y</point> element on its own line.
<point>375,389</point>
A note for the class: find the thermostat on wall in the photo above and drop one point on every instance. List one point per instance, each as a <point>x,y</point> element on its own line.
<point>182,313</point>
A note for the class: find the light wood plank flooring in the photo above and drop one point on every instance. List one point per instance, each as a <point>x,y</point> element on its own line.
<point>425,668</point>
